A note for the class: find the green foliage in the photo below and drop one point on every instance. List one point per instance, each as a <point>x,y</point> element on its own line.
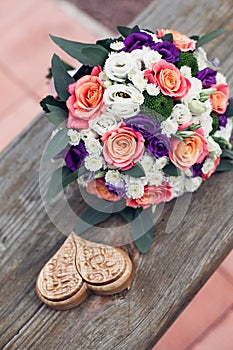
<point>56,144</point>
<point>157,107</point>
<point>125,31</point>
<point>136,171</point>
<point>167,37</point>
<point>171,170</point>
<point>87,54</point>
<point>229,110</point>
<point>187,59</point>
<point>61,78</point>
<point>142,230</point>
<point>223,143</point>
<point>214,123</point>
<point>66,65</point>
<point>210,36</point>
<point>49,101</point>
<point>227,153</point>
<point>225,165</point>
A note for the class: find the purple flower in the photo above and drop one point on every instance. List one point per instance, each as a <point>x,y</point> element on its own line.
<point>145,125</point>
<point>117,189</point>
<point>222,120</point>
<point>196,169</point>
<point>158,145</point>
<point>136,41</point>
<point>207,76</point>
<point>75,155</point>
<point>167,49</point>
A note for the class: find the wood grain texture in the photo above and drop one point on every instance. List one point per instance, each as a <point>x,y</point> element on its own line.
<point>167,278</point>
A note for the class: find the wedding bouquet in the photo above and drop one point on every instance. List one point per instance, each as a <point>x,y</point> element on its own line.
<point>145,119</point>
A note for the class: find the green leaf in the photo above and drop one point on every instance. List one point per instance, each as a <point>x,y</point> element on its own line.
<point>227,153</point>
<point>95,55</point>
<point>61,78</point>
<point>171,169</point>
<point>56,144</point>
<point>56,182</point>
<point>167,37</point>
<point>225,165</point>
<point>125,31</point>
<point>142,231</point>
<point>106,43</point>
<point>194,37</point>
<point>58,116</point>
<point>223,143</point>
<point>136,171</point>
<point>215,123</point>
<point>229,110</point>
<point>129,213</point>
<point>210,36</point>
<point>90,217</point>
<point>51,101</point>
<point>75,50</point>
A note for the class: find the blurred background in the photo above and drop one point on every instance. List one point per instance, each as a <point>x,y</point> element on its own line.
<point>26,51</point>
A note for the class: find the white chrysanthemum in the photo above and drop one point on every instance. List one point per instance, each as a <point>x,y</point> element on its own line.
<point>123,100</point>
<point>191,184</point>
<point>177,186</point>
<point>152,89</point>
<point>113,177</point>
<point>135,190</point>
<point>207,165</point>
<point>201,57</point>
<point>87,134</point>
<point>186,72</point>
<point>139,81</point>
<point>194,91</point>
<point>93,146</point>
<point>213,148</point>
<point>117,45</point>
<point>118,65</point>
<point>169,126</point>
<point>161,162</point>
<point>181,114</point>
<point>151,57</point>
<point>220,78</point>
<point>74,136</point>
<point>93,163</point>
<point>147,162</point>
<point>227,131</point>
<point>155,178</point>
<point>104,123</point>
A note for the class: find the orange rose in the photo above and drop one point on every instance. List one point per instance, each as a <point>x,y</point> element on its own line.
<point>180,40</point>
<point>152,195</point>
<point>85,102</point>
<point>97,188</point>
<point>123,147</point>
<point>190,151</point>
<point>169,78</point>
<point>219,98</point>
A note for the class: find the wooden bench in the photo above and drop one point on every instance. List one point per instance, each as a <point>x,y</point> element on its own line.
<point>167,278</point>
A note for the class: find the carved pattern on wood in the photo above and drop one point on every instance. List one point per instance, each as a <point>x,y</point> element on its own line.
<point>80,267</point>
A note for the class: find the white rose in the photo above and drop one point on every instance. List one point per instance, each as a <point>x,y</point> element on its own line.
<point>169,126</point>
<point>206,122</point>
<point>104,123</point>
<point>139,81</point>
<point>181,114</point>
<point>201,57</point>
<point>194,91</point>
<point>87,134</point>
<point>151,57</point>
<point>117,66</point>
<point>122,100</point>
<point>192,183</point>
<point>220,78</point>
<point>186,72</point>
<point>214,148</point>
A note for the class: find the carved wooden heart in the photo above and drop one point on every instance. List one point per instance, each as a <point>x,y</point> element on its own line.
<point>79,267</point>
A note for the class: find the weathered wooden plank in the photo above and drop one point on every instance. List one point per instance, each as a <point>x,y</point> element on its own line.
<point>167,278</point>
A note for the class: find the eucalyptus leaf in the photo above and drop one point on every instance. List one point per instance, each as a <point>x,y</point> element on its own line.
<point>167,37</point>
<point>57,117</point>
<point>51,101</point>
<point>229,110</point>
<point>56,182</point>
<point>90,217</point>
<point>137,171</point>
<point>129,213</point>
<point>142,231</point>
<point>56,144</point>
<point>74,49</point>
<point>125,31</point>
<point>225,165</point>
<point>171,170</point>
<point>83,70</point>
<point>95,55</point>
<point>61,78</point>
<point>227,153</point>
<point>210,36</point>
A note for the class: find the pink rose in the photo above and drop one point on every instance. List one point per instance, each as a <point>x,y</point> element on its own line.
<point>219,98</point>
<point>96,71</point>
<point>152,195</point>
<point>97,188</point>
<point>85,102</point>
<point>123,147</point>
<point>169,78</point>
<point>192,150</point>
<point>181,41</point>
